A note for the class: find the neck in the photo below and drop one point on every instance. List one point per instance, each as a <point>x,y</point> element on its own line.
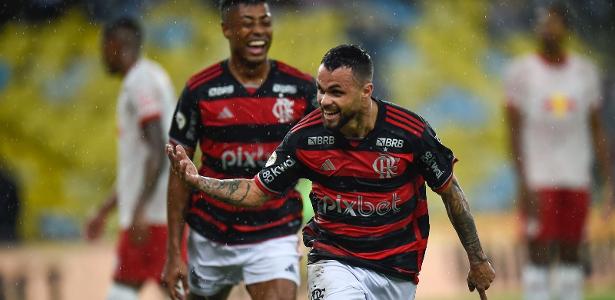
<point>553,54</point>
<point>129,62</point>
<point>249,74</point>
<point>362,124</point>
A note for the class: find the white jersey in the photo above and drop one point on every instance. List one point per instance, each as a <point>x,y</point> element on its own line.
<point>146,94</point>
<point>555,102</point>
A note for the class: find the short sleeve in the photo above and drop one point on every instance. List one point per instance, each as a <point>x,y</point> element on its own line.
<point>513,84</point>
<point>281,171</point>
<point>435,161</point>
<point>186,120</point>
<point>146,99</point>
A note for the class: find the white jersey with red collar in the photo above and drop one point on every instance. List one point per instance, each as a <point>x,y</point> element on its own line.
<point>146,94</point>
<point>555,102</point>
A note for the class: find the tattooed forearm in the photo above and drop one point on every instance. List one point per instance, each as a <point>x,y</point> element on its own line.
<point>232,191</point>
<point>459,213</point>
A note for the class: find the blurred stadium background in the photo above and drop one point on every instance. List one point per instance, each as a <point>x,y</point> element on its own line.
<point>443,59</point>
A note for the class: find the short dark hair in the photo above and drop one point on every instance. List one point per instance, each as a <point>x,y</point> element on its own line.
<point>227,5</point>
<point>350,56</point>
<point>561,9</point>
<point>128,24</point>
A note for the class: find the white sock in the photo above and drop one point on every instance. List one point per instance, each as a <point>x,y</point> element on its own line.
<point>535,281</point>
<point>568,282</point>
<point>122,292</point>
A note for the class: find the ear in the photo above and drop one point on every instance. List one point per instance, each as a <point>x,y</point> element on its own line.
<point>367,90</point>
<point>226,30</point>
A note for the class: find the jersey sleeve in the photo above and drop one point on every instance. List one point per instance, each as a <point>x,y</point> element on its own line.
<point>435,161</point>
<point>186,120</point>
<point>147,101</point>
<point>513,83</point>
<point>281,171</point>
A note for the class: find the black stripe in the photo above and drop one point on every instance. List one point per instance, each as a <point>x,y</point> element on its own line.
<point>246,133</point>
<point>234,237</point>
<point>253,218</point>
<point>423,223</point>
<point>370,244</point>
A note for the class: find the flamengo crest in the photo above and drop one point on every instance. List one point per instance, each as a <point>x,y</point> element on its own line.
<point>283,110</point>
<point>385,165</point>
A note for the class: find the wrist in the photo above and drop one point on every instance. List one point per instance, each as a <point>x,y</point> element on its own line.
<point>478,259</point>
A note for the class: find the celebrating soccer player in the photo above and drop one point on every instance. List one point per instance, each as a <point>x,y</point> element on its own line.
<point>369,161</point>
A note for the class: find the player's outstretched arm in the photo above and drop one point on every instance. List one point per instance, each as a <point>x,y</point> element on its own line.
<point>481,272</point>
<point>238,192</point>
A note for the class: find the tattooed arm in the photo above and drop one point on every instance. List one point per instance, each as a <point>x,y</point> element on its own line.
<point>238,192</point>
<point>481,272</point>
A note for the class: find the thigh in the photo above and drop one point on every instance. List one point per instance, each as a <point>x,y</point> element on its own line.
<point>331,280</point>
<point>210,267</point>
<point>277,289</point>
<point>573,216</point>
<point>276,259</point>
<point>548,216</point>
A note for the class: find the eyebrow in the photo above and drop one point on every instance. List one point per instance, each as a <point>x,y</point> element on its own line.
<point>267,15</point>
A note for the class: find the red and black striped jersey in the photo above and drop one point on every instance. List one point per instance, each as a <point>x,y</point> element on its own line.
<point>237,129</point>
<point>369,196</point>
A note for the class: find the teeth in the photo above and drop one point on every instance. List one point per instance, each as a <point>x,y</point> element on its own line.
<point>256,43</point>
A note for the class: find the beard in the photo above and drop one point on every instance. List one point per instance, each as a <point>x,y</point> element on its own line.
<point>344,119</point>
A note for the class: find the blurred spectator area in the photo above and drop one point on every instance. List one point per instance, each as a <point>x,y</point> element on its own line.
<point>442,59</point>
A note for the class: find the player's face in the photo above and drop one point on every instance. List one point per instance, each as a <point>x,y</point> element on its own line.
<point>339,96</point>
<point>111,51</point>
<point>551,29</point>
<point>249,32</point>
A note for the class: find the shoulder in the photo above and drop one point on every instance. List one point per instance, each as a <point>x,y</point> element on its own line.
<point>310,120</point>
<point>584,64</point>
<point>291,71</point>
<point>205,76</point>
<point>403,121</point>
<point>521,64</point>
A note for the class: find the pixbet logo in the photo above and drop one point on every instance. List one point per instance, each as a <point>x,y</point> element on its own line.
<point>242,159</point>
<point>385,165</point>
<point>359,206</point>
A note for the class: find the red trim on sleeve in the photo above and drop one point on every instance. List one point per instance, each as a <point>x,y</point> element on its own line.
<point>148,118</point>
<point>448,180</point>
<point>263,187</point>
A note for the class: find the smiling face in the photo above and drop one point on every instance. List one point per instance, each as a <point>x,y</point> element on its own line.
<point>341,96</point>
<point>249,32</point>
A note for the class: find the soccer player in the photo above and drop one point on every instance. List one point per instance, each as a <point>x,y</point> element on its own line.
<point>237,111</point>
<point>553,109</point>
<point>144,110</point>
<point>368,161</point>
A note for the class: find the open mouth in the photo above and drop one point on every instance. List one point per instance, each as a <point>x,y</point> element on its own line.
<point>257,47</point>
<point>330,114</point>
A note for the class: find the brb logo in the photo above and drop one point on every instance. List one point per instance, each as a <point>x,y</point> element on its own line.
<point>243,159</point>
<point>283,110</point>
<point>385,165</point>
<point>359,206</point>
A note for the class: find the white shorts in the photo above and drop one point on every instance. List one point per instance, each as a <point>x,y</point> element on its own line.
<point>334,280</point>
<point>213,266</point>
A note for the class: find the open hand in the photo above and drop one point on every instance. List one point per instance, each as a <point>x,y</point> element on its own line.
<point>182,165</point>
